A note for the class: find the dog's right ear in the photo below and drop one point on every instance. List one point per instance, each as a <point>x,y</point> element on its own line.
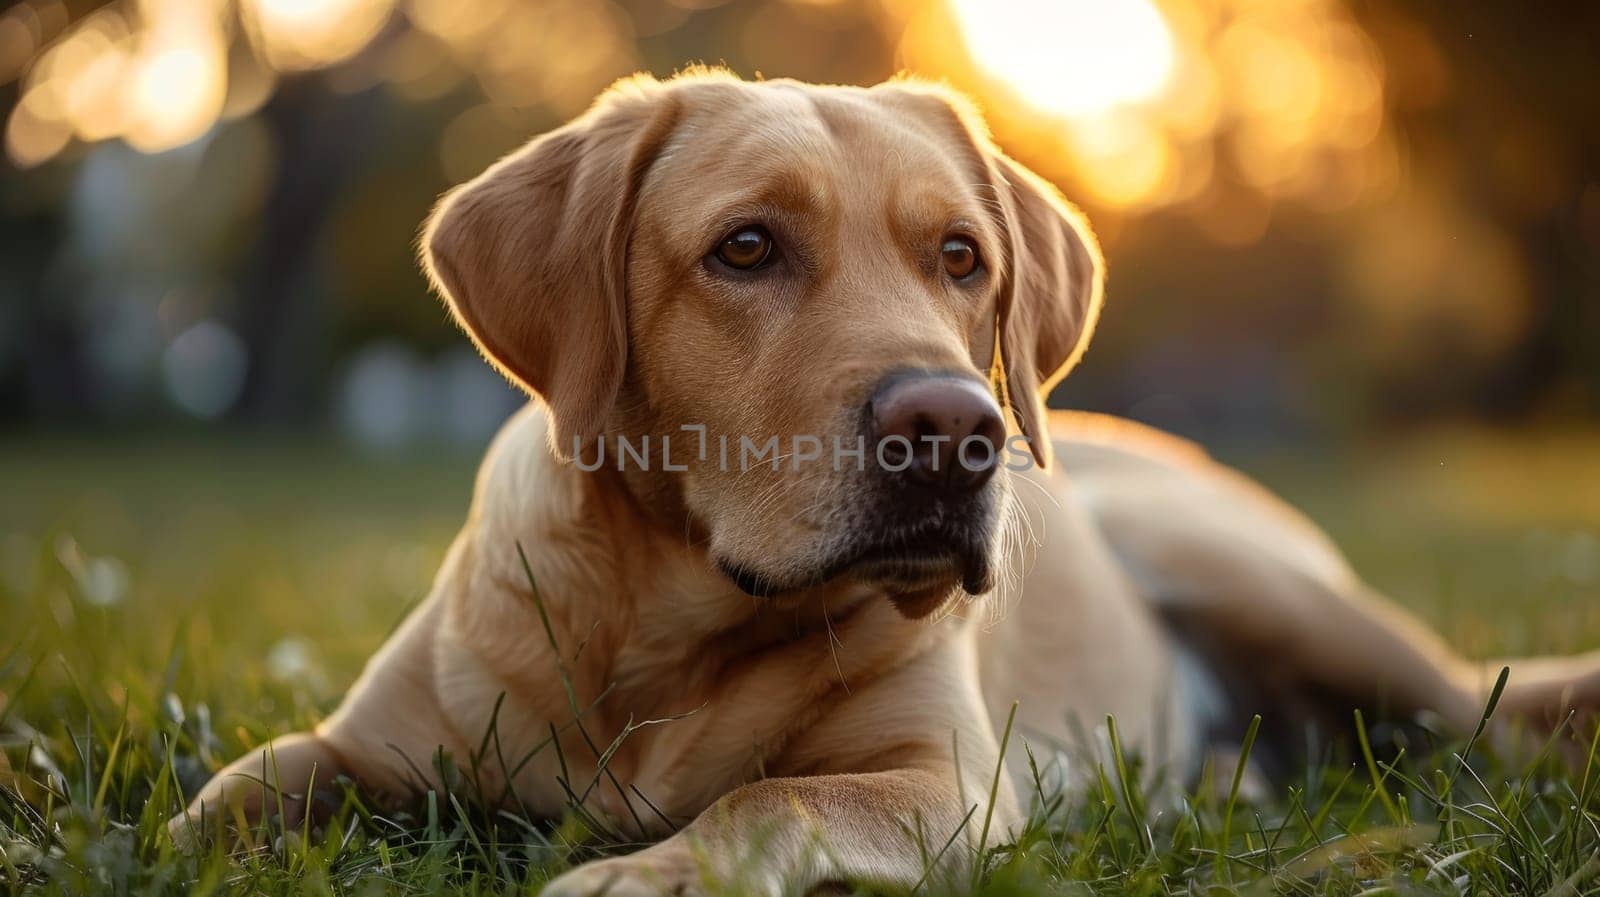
<point>530,256</point>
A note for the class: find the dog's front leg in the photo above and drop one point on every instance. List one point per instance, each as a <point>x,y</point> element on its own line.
<point>282,779</point>
<point>791,835</point>
<point>386,729</point>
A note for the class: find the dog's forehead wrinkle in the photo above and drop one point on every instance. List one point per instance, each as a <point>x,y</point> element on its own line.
<point>820,130</point>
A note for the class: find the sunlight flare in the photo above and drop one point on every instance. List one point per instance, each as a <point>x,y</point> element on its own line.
<point>1070,57</point>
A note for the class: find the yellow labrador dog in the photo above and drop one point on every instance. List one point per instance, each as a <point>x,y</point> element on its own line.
<point>788,532</point>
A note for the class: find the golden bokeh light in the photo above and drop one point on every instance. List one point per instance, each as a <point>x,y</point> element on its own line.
<point>154,74</point>
<point>175,95</point>
<point>35,134</point>
<point>1132,105</point>
<point>1132,158</point>
<point>305,34</point>
<point>1070,57</point>
<point>1148,104</point>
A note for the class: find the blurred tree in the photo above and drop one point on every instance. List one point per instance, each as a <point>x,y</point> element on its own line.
<point>323,139</point>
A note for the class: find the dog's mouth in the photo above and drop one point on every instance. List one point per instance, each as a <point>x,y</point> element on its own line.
<point>910,563</point>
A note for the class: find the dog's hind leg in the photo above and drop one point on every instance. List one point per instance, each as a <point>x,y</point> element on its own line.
<point>1276,604</point>
<point>1546,691</point>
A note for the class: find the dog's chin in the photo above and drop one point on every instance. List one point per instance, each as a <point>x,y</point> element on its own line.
<point>916,589</point>
<point>917,583</point>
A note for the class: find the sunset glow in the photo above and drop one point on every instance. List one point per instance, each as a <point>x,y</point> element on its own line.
<point>1072,57</point>
<point>1133,104</point>
<point>1148,104</point>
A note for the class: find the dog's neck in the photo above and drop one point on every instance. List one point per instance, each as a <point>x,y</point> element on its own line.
<point>632,585</point>
<point>669,580</point>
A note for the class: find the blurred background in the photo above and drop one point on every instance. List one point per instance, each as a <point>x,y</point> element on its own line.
<point>1353,246</point>
<point>1321,219</point>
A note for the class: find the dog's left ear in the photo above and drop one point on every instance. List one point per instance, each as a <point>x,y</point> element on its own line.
<point>1049,297</point>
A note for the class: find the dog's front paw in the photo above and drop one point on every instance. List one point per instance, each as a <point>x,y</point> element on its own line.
<point>670,868</point>
<point>638,875</point>
<point>186,833</point>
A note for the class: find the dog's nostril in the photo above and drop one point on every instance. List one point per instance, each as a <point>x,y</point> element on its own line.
<point>924,427</point>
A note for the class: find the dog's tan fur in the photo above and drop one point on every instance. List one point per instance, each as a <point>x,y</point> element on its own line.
<point>812,731</point>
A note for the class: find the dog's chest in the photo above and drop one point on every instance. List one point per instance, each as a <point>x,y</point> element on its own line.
<point>643,724</point>
<point>642,760</point>
<point>650,770</point>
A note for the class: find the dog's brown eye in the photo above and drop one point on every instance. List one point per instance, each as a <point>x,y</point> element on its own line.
<point>745,248</point>
<point>959,256</point>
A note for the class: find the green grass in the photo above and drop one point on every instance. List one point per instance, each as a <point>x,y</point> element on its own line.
<point>164,606</point>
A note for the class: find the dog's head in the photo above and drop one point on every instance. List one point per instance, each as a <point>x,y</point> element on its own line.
<point>819,304</point>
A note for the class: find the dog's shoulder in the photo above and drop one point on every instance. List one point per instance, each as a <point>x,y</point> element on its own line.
<point>522,486</point>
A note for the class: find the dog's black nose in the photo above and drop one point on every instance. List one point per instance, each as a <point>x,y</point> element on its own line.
<point>939,432</point>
